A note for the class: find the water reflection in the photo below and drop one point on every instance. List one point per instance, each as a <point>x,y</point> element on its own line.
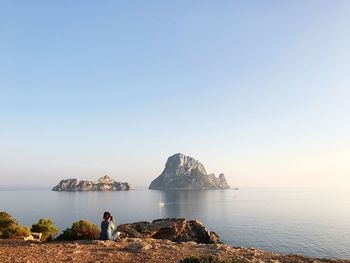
<point>192,204</point>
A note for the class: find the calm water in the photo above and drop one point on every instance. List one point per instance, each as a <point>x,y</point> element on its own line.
<point>310,222</point>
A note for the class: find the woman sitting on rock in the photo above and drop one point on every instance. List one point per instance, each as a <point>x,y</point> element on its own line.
<point>107,227</point>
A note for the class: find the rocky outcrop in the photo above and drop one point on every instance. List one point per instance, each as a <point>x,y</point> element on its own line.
<point>173,229</point>
<point>105,183</point>
<point>184,172</point>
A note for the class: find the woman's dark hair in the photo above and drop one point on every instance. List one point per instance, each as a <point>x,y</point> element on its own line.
<point>106,215</point>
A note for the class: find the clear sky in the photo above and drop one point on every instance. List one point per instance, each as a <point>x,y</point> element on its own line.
<point>258,90</point>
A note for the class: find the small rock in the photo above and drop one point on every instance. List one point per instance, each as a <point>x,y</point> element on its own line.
<point>191,243</point>
<point>138,246</point>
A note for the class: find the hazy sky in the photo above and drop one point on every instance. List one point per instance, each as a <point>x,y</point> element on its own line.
<point>258,90</point>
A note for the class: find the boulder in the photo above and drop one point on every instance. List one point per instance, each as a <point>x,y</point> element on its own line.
<point>173,229</point>
<point>34,236</point>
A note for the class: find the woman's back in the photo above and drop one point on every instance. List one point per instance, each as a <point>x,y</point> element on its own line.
<point>106,230</point>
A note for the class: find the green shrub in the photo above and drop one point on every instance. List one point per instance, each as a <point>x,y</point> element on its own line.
<point>66,235</point>
<point>9,227</point>
<point>47,227</point>
<point>82,229</point>
<point>6,220</point>
<point>23,231</point>
<point>203,259</point>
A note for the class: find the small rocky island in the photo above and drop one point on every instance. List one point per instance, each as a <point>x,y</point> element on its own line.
<point>105,183</point>
<point>184,172</point>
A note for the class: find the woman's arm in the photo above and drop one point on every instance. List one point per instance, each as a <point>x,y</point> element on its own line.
<point>112,225</point>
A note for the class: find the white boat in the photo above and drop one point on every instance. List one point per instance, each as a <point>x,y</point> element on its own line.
<point>161,203</point>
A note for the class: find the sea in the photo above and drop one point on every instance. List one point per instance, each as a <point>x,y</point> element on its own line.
<point>312,222</point>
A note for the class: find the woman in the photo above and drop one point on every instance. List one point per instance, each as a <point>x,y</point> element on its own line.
<point>107,227</point>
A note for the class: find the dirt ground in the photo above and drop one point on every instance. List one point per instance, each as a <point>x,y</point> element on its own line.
<point>134,250</point>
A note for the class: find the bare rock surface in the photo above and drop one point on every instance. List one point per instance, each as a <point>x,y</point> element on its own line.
<point>173,229</point>
<point>136,251</point>
<point>184,172</point>
<point>138,246</point>
<point>105,183</point>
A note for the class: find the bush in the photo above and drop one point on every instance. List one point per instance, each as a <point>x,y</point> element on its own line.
<point>47,227</point>
<point>203,259</point>
<point>82,229</point>
<point>9,227</point>
<point>23,231</point>
<point>67,235</point>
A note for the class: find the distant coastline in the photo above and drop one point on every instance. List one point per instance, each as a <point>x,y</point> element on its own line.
<point>25,188</point>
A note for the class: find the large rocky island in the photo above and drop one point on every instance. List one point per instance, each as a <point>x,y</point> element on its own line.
<point>184,172</point>
<point>105,183</point>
